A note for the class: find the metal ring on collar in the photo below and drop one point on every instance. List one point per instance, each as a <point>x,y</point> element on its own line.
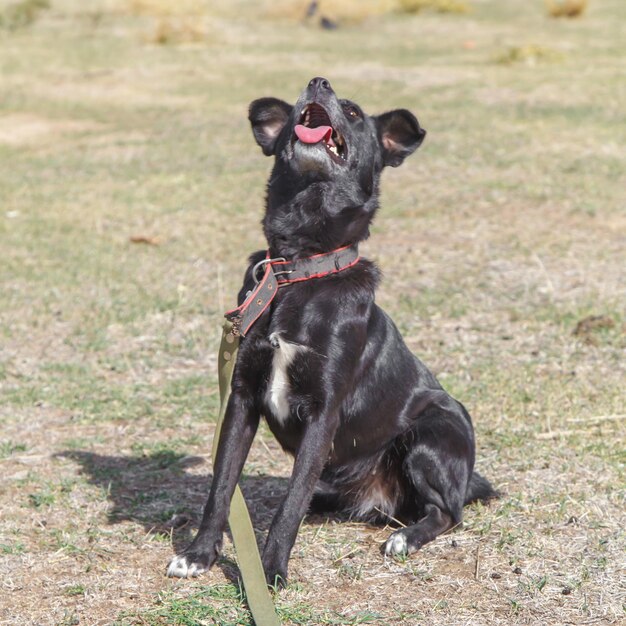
<point>255,269</point>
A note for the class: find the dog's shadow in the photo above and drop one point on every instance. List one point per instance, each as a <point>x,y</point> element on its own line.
<point>158,492</point>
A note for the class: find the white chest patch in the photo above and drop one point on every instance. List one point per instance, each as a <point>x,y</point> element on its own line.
<point>277,394</point>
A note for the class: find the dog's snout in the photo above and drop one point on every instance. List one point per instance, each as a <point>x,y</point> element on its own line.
<point>319,84</point>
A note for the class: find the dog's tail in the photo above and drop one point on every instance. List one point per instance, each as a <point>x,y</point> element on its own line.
<point>480,488</point>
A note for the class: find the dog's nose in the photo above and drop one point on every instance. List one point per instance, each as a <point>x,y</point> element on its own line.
<point>318,83</point>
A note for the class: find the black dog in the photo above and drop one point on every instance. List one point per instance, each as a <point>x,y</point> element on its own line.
<point>372,431</point>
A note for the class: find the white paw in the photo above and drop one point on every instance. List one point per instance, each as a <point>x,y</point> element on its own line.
<point>180,567</point>
<point>396,545</point>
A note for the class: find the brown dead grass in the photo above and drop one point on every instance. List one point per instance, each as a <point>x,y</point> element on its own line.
<point>566,8</point>
<point>441,6</point>
<point>175,23</point>
<point>23,129</point>
<point>348,11</point>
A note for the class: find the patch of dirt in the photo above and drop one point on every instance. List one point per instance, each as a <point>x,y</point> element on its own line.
<point>27,129</point>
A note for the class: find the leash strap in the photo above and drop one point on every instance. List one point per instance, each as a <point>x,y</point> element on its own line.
<point>255,303</point>
<point>250,566</point>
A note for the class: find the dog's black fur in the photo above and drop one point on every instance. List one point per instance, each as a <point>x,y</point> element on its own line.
<point>372,431</point>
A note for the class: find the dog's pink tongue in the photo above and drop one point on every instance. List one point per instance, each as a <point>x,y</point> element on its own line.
<point>313,135</point>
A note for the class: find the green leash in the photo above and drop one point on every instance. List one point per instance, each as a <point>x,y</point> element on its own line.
<point>250,566</point>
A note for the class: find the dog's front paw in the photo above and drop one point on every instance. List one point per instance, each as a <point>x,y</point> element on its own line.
<point>196,559</point>
<point>275,573</point>
<point>397,545</point>
<point>189,565</point>
<point>277,579</point>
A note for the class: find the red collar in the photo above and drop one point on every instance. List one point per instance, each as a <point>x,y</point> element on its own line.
<point>280,272</point>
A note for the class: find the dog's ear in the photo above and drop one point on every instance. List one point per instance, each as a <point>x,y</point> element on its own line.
<point>268,117</point>
<point>399,134</point>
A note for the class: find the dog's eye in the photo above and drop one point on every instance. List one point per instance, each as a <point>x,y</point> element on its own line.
<point>351,111</point>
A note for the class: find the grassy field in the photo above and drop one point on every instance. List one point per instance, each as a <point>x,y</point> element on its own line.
<point>127,167</point>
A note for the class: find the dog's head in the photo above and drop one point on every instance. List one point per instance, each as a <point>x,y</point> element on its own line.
<point>324,136</point>
<point>329,148</point>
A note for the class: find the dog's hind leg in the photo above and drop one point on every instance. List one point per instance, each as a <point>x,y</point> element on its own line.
<point>437,467</point>
<point>412,538</point>
<point>326,499</point>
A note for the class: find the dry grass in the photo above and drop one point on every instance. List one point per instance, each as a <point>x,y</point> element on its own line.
<point>177,31</point>
<point>21,13</point>
<point>348,11</point>
<point>441,6</point>
<point>566,8</point>
<point>174,23</point>
<point>163,7</point>
<point>503,246</point>
<point>355,11</point>
<point>530,54</point>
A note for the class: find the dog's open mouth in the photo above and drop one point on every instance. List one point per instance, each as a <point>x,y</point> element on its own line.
<point>315,127</point>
